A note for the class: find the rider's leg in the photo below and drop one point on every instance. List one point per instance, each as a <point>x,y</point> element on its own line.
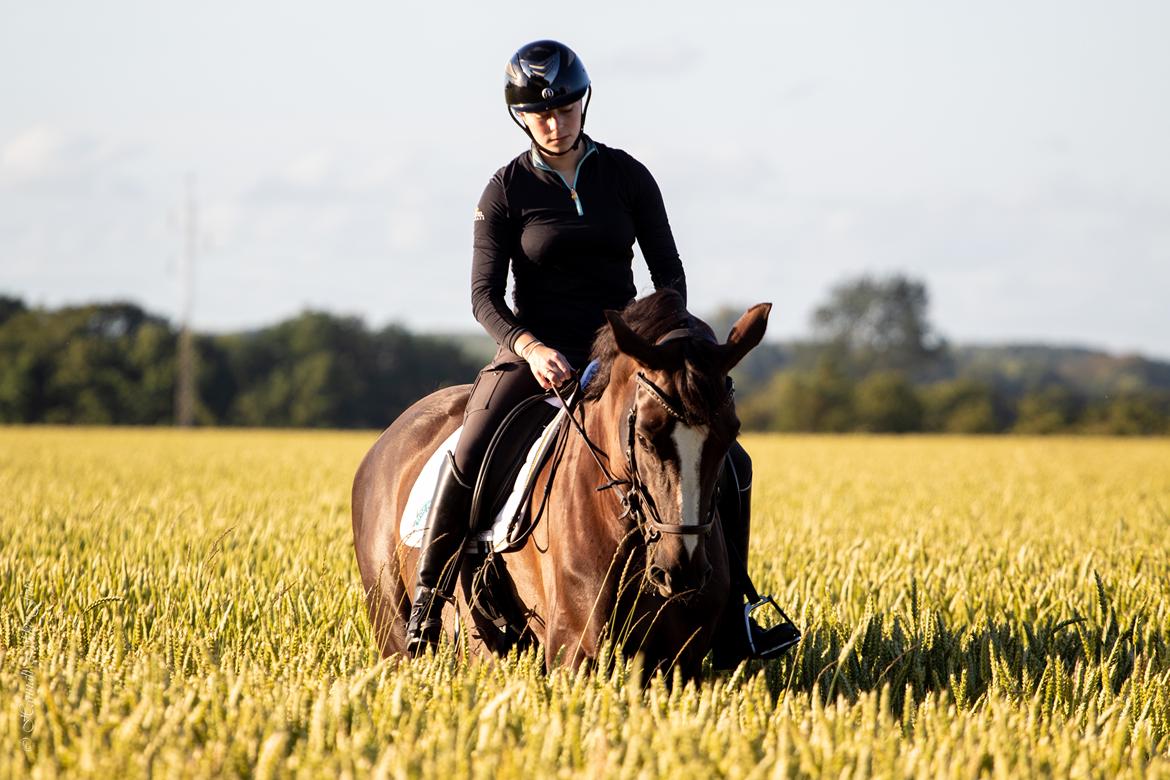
<point>438,557</point>
<point>736,497</point>
<point>731,644</point>
<point>735,494</point>
<point>498,388</point>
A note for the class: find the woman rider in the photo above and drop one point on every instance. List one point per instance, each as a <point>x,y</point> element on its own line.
<point>564,215</point>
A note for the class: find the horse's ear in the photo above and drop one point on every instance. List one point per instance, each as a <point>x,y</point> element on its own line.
<point>630,343</point>
<point>745,334</point>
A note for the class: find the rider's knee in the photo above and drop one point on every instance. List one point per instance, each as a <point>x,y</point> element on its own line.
<point>742,463</point>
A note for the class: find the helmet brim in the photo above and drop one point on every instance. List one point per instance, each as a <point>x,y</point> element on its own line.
<point>535,107</point>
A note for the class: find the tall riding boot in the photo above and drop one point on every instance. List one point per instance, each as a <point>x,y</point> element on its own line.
<point>438,558</point>
<point>731,641</point>
<point>738,636</point>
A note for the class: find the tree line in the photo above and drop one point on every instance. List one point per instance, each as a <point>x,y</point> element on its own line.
<point>828,400</point>
<point>114,363</point>
<point>874,362</point>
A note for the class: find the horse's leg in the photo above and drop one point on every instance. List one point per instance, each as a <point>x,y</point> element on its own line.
<point>389,609</point>
<point>581,570</point>
<point>376,547</point>
<point>375,539</point>
<point>381,486</point>
<point>568,616</point>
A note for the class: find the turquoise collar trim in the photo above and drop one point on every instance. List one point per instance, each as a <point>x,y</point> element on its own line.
<point>539,162</point>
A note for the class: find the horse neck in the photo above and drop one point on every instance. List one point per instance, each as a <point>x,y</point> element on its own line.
<point>600,423</point>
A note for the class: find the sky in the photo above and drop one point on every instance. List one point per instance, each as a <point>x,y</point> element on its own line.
<point>1014,156</point>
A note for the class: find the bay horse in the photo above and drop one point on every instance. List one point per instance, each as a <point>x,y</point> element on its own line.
<point>628,545</point>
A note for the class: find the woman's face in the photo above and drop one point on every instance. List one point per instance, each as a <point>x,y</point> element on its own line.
<point>555,130</point>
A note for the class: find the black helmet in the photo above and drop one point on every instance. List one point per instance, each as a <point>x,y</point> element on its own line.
<point>543,75</point>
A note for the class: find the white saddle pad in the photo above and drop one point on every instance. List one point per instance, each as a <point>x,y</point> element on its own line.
<point>418,506</point>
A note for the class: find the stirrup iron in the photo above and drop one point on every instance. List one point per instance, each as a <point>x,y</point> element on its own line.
<point>768,643</point>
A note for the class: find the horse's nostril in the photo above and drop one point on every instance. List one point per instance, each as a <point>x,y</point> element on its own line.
<point>658,576</point>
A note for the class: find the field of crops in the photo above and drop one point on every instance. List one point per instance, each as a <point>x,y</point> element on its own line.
<point>187,604</point>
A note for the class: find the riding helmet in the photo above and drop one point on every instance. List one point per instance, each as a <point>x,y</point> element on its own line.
<point>543,75</point>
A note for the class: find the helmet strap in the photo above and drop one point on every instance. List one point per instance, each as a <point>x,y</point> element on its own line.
<point>580,133</point>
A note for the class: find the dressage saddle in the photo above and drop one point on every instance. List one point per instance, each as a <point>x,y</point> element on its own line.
<point>506,454</point>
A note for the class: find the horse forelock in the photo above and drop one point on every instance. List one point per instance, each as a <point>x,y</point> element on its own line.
<point>697,380</point>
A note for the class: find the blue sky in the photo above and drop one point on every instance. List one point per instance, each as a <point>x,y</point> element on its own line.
<point>1012,155</point>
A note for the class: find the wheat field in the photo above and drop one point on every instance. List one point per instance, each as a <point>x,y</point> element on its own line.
<point>187,604</point>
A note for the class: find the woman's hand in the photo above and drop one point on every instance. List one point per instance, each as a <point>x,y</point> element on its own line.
<point>550,367</point>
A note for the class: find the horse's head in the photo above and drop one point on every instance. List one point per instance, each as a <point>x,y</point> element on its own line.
<point>677,421</point>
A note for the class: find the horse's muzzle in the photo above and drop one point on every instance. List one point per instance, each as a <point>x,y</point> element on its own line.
<point>676,582</point>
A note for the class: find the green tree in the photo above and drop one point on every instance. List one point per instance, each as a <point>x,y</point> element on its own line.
<point>880,324</point>
<point>884,402</point>
<point>1144,413</point>
<point>1052,410</point>
<point>959,406</point>
<point>10,307</point>
<point>318,369</point>
<point>819,400</point>
<point>84,364</point>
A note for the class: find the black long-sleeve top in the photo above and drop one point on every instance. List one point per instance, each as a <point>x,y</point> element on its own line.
<point>570,245</point>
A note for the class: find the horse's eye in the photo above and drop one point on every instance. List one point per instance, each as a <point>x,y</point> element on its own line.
<point>644,442</point>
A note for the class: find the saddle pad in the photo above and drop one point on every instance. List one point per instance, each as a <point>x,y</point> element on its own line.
<point>494,537</point>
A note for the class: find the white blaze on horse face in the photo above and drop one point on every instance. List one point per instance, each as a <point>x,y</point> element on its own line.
<point>689,443</point>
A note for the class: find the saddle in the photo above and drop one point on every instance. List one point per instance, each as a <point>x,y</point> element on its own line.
<point>507,454</point>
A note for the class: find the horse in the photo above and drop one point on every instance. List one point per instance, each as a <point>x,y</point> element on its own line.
<point>627,546</point>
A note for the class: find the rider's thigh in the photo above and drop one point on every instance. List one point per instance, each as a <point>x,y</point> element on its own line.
<point>500,386</point>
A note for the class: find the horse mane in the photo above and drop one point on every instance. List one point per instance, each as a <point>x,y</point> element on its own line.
<point>698,381</point>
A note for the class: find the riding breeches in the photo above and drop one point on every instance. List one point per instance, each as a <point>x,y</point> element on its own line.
<point>499,388</point>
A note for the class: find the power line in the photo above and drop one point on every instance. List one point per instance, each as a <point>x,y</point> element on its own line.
<point>185,375</point>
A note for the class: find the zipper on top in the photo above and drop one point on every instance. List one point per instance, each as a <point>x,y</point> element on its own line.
<point>540,163</point>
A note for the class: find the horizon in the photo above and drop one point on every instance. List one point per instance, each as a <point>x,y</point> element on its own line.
<point>474,331</point>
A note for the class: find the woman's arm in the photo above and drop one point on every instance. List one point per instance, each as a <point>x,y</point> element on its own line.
<point>491,253</point>
<point>494,238</point>
<point>653,231</point>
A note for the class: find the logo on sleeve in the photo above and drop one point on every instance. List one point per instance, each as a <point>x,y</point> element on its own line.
<point>479,216</point>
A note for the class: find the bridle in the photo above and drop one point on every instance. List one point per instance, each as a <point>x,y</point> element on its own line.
<point>636,501</point>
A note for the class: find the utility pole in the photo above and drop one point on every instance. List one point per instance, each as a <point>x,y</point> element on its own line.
<point>185,376</point>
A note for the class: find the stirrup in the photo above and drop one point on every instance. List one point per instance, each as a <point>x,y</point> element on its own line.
<point>768,643</point>
<point>425,625</point>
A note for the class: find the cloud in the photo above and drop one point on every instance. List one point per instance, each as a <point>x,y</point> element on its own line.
<point>34,151</point>
<point>48,160</point>
<point>329,173</point>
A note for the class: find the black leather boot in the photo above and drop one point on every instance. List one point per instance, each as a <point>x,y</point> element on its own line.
<point>738,636</point>
<point>439,557</point>
<point>730,646</point>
